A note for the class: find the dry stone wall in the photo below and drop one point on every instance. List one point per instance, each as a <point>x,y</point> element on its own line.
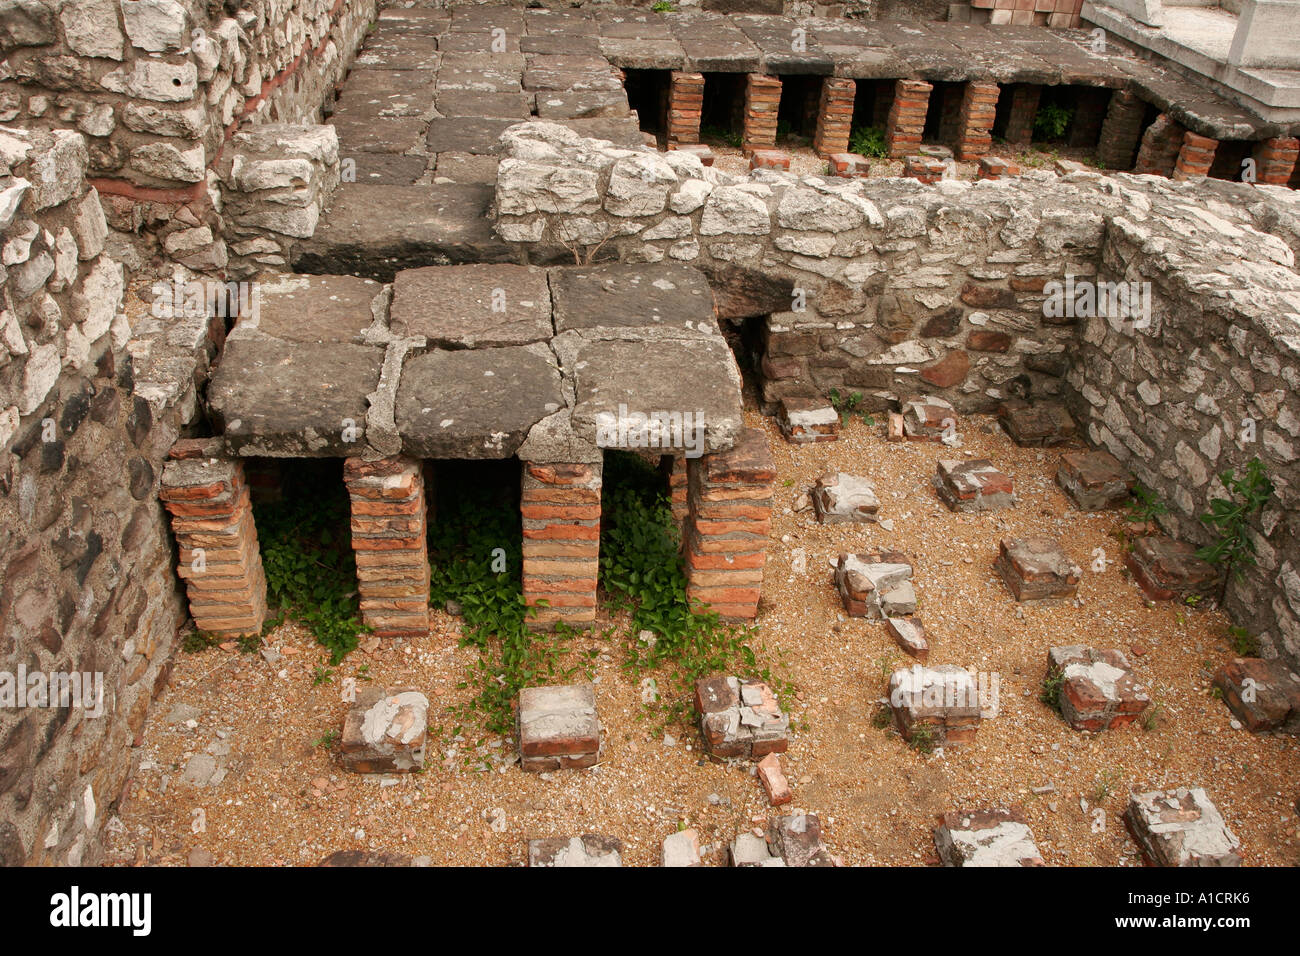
<point>894,288</point>
<point>90,401</point>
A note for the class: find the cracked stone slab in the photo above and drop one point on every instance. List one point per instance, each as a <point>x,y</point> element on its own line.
<point>663,295</point>
<point>284,399</point>
<point>476,403</point>
<point>384,731</point>
<point>467,134</point>
<point>312,308</point>
<point>472,306</point>
<point>1181,827</point>
<point>985,838</point>
<point>590,849</point>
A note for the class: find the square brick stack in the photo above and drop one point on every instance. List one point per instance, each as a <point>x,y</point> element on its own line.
<point>1263,694</point>
<point>1020,117</point>
<point>730,520</point>
<point>1097,690</point>
<point>849,165</point>
<point>979,103</point>
<point>740,718</point>
<point>1166,569</point>
<point>1181,827</point>
<point>1275,160</point>
<point>1160,146</point>
<point>557,728</point>
<point>561,510</point>
<point>841,498</point>
<point>389,539</point>
<point>973,485</point>
<point>804,419</point>
<point>986,838</point>
<point>685,101</point>
<point>1196,156</point>
<point>995,168</point>
<point>1039,425</point>
<point>1036,569</point>
<point>1121,130</point>
<point>762,100</point>
<point>834,116</point>
<point>906,120</point>
<point>769,159</point>
<point>385,731</point>
<point>1094,480</point>
<point>704,153</point>
<point>875,584</point>
<point>220,563</point>
<point>926,169</point>
<point>927,418</point>
<point>590,849</point>
<point>944,698</point>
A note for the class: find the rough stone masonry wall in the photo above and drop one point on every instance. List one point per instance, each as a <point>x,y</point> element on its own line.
<point>157,86</point>
<point>940,289</point>
<point>86,419</point>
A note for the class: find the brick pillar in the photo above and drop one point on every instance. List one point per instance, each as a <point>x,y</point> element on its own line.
<point>1089,115</point>
<point>834,116</point>
<point>1160,146</point>
<point>677,483</point>
<point>762,100</point>
<point>1275,160</point>
<point>730,494</point>
<point>1195,157</point>
<point>388,535</point>
<point>906,120</point>
<point>1120,130</point>
<point>685,101</point>
<point>1020,117</point>
<point>561,510</point>
<point>212,518</point>
<point>979,103</point>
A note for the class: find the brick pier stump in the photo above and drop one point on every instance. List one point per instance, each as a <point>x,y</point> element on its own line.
<point>212,519</point>
<point>685,101</point>
<point>762,100</point>
<point>1120,131</point>
<point>979,103</point>
<point>730,495</point>
<point>388,536</point>
<point>1020,116</point>
<point>1275,160</point>
<point>1195,157</point>
<point>561,512</point>
<point>1161,144</point>
<point>834,116</point>
<point>906,120</point>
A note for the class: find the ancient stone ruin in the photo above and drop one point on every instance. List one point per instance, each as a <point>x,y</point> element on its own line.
<point>393,240</point>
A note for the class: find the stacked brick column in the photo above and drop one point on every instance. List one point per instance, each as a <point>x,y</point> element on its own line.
<point>834,116</point>
<point>979,104</point>
<point>561,511</point>
<point>685,102</point>
<point>1195,157</point>
<point>730,520</point>
<point>212,519</point>
<point>762,100</point>
<point>906,120</point>
<point>1020,117</point>
<point>1120,130</point>
<point>677,485</point>
<point>388,535</point>
<point>1275,160</point>
<point>1161,144</point>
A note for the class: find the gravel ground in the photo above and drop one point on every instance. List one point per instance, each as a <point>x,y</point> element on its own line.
<point>279,799</point>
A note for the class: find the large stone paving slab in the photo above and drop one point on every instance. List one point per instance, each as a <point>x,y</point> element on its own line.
<point>307,308</point>
<point>472,306</point>
<point>467,134</point>
<point>284,399</point>
<point>477,403</point>
<point>632,296</point>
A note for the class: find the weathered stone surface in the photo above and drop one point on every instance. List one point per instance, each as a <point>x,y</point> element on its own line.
<point>945,700</point>
<point>1263,694</point>
<point>840,498</point>
<point>1044,423</point>
<point>910,634</point>
<point>928,418</point>
<point>1094,480</point>
<point>797,840</point>
<point>385,731</point>
<point>973,484</point>
<point>590,849</point>
<point>664,295</point>
<point>477,403</point>
<point>875,584</point>
<point>558,727</point>
<point>1097,690</point>
<point>1181,827</point>
<point>740,719</point>
<point>682,849</point>
<point>472,306</point>
<point>304,308</point>
<point>1036,569</point>
<point>1166,569</point>
<point>467,134</point>
<point>985,838</point>
<point>805,419</point>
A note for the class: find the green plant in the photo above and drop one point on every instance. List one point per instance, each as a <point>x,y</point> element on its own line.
<point>1151,716</point>
<point>308,560</point>
<point>882,717</point>
<point>363,673</point>
<point>1104,786</point>
<point>1230,518</point>
<point>1052,120</point>
<point>1051,690</point>
<point>663,6</point>
<point>196,641</point>
<point>868,141</point>
<point>730,137</point>
<point>321,675</point>
<point>847,405</point>
<point>1145,506</point>
<point>1244,643</point>
<point>642,572</point>
<point>922,739</point>
<point>326,740</point>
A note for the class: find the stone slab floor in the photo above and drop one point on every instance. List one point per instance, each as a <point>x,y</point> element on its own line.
<point>234,736</point>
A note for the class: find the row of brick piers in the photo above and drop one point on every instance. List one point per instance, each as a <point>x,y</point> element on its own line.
<point>721,501</point>
<point>1113,120</point>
